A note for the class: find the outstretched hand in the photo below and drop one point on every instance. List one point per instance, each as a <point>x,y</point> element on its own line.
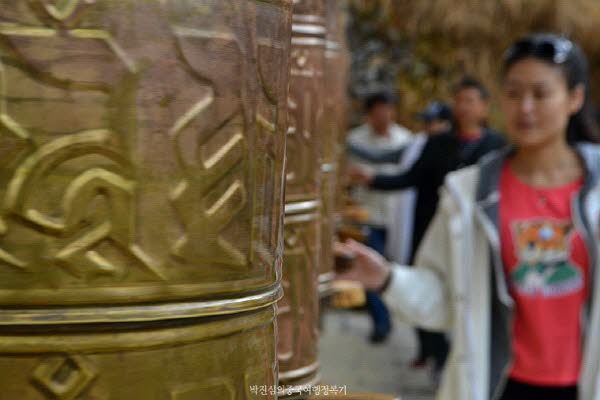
<point>368,267</point>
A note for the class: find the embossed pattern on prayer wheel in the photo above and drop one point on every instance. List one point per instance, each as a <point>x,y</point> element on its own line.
<point>141,182</point>
<point>298,310</point>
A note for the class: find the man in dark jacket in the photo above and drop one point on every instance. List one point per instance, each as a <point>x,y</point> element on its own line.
<point>463,145</point>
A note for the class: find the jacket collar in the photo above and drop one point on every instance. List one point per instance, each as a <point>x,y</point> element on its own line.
<point>590,155</point>
<point>491,167</point>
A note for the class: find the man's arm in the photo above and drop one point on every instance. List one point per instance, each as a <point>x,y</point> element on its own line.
<point>409,177</point>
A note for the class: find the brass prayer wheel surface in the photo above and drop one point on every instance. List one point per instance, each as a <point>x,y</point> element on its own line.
<point>298,310</point>
<point>332,131</point>
<point>219,359</point>
<point>141,168</point>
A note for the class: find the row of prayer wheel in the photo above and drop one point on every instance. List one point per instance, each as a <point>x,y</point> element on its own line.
<point>146,247</point>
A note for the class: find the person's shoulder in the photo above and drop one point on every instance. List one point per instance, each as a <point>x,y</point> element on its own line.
<point>357,133</point>
<point>496,136</point>
<point>399,136</point>
<point>400,130</point>
<point>589,149</point>
<point>442,139</point>
<point>590,153</point>
<point>359,130</point>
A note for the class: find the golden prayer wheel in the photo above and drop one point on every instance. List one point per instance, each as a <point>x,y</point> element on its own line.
<point>298,310</point>
<point>340,74</point>
<point>141,168</point>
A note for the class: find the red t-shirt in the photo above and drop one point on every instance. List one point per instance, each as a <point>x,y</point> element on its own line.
<point>547,268</point>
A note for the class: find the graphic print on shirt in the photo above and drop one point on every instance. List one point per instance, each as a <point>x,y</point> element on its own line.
<point>544,269</point>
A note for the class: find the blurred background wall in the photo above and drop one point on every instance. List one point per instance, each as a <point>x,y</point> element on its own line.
<point>421,47</point>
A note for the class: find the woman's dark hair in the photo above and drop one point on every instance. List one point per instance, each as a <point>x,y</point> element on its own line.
<point>561,52</point>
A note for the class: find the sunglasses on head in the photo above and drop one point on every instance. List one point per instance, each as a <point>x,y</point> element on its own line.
<point>554,49</point>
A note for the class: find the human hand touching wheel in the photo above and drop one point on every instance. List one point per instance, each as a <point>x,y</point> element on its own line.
<point>367,267</point>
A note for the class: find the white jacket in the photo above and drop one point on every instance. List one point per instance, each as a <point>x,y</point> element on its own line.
<point>459,280</point>
<point>399,238</point>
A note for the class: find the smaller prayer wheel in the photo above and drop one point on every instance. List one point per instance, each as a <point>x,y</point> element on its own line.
<point>333,131</point>
<point>299,309</point>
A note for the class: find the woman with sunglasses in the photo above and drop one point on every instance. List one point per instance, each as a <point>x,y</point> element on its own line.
<point>510,263</point>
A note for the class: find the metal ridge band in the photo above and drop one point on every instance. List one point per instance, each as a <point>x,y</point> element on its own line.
<point>300,372</point>
<point>312,31</point>
<point>302,207</point>
<point>140,313</point>
<point>138,338</point>
<point>326,284</point>
<point>308,41</point>
<point>326,277</point>
<point>309,19</point>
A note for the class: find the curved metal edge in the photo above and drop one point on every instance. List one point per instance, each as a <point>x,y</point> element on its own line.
<point>302,207</point>
<point>310,30</point>
<point>135,338</point>
<point>316,19</point>
<point>299,373</point>
<point>140,313</point>
<point>326,285</point>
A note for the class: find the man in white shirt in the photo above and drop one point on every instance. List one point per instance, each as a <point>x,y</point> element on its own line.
<point>379,133</point>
